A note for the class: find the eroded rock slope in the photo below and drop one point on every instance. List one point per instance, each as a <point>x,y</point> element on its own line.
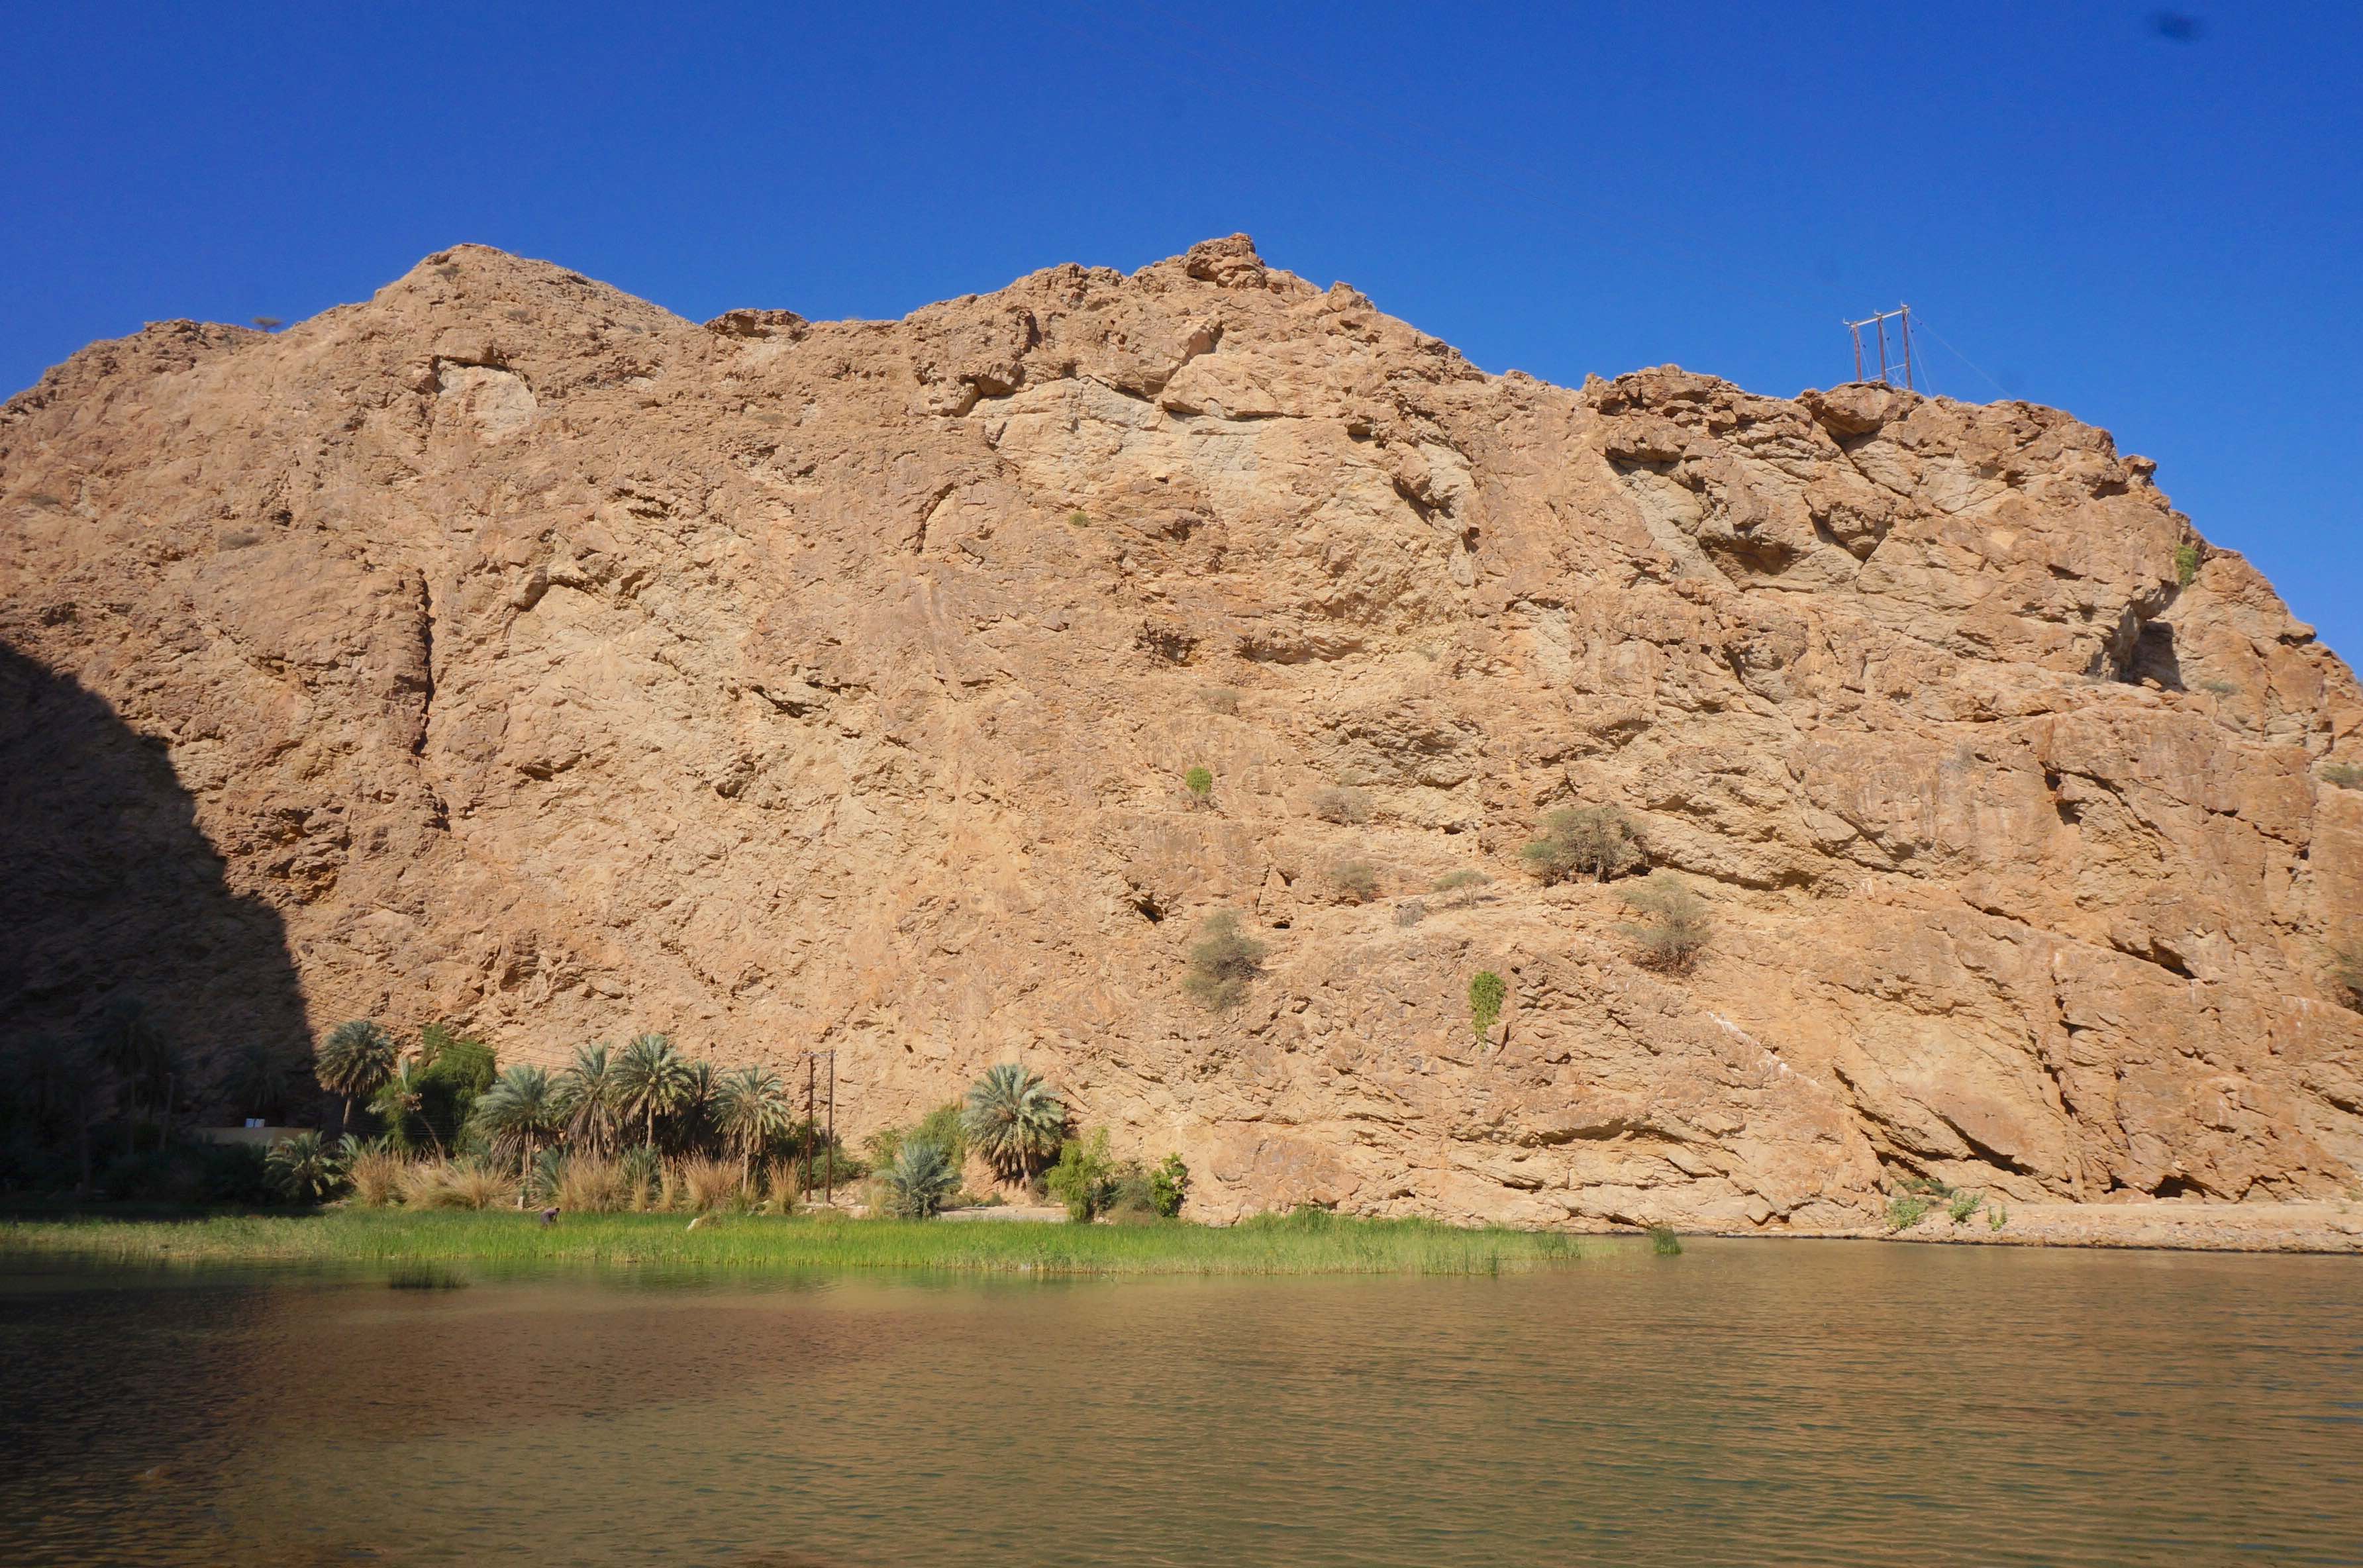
<point>560,666</point>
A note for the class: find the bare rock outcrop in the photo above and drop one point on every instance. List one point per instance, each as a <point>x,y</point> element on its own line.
<point>555,664</point>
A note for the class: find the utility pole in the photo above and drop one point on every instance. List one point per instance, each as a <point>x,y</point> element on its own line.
<point>1877,322</point>
<point>810,1065</point>
<point>828,1150</point>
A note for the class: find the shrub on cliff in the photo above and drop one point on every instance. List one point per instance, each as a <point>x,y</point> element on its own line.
<point>1487,993</point>
<point>1357,880</point>
<point>2346,973</point>
<point>1465,884</point>
<point>2346,775</point>
<point>1200,782</point>
<point>1577,840</point>
<point>1676,927</point>
<point>1224,963</point>
<point>1340,805</point>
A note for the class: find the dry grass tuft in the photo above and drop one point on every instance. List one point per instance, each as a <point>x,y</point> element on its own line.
<point>708,1183</point>
<point>451,1184</point>
<point>378,1177</point>
<point>587,1185</point>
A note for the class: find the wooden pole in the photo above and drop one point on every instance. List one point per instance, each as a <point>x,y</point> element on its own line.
<point>1906,314</point>
<point>809,1066</point>
<point>1882,322</point>
<point>828,1150</point>
<point>1854,330</point>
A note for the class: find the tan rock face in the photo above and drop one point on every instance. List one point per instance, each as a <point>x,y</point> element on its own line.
<point>555,664</point>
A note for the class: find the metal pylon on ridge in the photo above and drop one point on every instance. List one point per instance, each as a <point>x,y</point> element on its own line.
<point>1889,369</point>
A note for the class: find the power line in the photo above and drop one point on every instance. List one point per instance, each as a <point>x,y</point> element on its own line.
<point>1964,359</point>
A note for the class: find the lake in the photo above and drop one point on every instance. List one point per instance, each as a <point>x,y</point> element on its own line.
<point>1748,1402</point>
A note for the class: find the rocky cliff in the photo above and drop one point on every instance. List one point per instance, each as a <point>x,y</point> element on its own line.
<point>547,662</point>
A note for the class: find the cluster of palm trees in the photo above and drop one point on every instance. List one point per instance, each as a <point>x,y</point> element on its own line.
<point>55,1089</point>
<point>649,1094</point>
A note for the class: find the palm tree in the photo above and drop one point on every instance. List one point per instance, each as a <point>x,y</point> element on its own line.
<point>400,1098</point>
<point>750,1111</point>
<point>589,1097</point>
<point>1013,1119</point>
<point>919,1180</point>
<point>257,1082</point>
<point>129,1044</point>
<point>518,1111</point>
<point>652,1080</point>
<point>694,1121</point>
<point>305,1167</point>
<point>57,1082</point>
<point>353,1061</point>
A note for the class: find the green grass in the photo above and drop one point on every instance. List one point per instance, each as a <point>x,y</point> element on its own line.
<point>1300,1244</point>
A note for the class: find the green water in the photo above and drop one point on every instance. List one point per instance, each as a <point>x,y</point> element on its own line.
<point>1744,1403</point>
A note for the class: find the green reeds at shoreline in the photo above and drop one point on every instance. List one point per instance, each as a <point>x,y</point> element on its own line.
<point>1308,1242</point>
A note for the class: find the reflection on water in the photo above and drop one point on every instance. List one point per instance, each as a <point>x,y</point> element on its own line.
<point>1744,1403</point>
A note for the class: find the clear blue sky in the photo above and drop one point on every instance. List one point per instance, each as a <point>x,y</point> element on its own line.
<point>2157,226</point>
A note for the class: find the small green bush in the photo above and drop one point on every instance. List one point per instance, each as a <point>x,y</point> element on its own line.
<point>1677,927</point>
<point>1200,782</point>
<point>1357,880</point>
<point>2186,564</point>
<point>1576,840</point>
<point>2346,775</point>
<point>1224,964</point>
<point>1905,1210</point>
<point>1997,1217</point>
<point>2219,688</point>
<point>1169,1187</point>
<point>1078,518</point>
<point>1964,1204</point>
<point>1219,698</point>
<point>942,1127</point>
<point>1664,1243</point>
<point>1085,1177</point>
<point>1487,993</point>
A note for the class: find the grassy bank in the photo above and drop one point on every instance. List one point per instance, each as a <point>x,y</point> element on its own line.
<point>1292,1244</point>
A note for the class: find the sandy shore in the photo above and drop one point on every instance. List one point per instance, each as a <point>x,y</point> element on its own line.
<point>2331,1227</point>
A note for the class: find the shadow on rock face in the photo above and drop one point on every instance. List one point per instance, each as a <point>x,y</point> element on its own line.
<point>109,894</point>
